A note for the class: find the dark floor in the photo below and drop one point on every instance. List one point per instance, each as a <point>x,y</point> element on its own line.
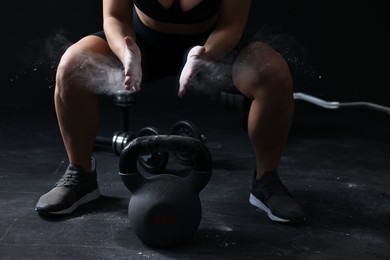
<point>336,164</point>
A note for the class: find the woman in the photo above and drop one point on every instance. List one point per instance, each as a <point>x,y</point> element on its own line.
<point>142,35</point>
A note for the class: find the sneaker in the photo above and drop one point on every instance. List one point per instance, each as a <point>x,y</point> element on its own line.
<point>76,187</point>
<point>270,195</point>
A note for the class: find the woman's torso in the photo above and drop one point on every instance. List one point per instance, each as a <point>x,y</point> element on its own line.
<point>178,16</point>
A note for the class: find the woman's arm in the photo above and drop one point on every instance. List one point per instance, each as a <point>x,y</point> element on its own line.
<point>118,28</point>
<point>117,24</point>
<point>232,20</point>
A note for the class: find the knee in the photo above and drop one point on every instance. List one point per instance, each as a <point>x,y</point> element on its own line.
<point>260,70</point>
<point>69,72</point>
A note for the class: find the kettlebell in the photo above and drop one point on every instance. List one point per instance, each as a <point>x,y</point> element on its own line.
<point>165,209</point>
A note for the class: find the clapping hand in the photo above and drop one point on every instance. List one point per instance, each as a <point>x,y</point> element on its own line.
<point>189,68</point>
<point>132,65</point>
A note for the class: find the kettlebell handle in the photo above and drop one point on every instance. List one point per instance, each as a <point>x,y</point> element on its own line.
<point>202,166</point>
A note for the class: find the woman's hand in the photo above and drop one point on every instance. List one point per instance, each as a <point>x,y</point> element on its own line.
<point>189,68</point>
<point>132,65</point>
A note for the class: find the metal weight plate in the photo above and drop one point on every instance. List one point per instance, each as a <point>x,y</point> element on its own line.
<point>189,129</point>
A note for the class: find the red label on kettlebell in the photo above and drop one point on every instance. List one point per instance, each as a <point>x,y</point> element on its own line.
<point>164,220</point>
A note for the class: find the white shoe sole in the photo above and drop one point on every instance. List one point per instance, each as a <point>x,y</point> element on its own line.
<point>260,205</point>
<point>87,198</point>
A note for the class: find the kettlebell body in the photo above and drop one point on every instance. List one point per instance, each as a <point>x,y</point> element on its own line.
<point>165,209</point>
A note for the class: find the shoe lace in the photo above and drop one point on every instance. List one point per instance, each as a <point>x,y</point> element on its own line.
<point>69,179</point>
<point>275,187</point>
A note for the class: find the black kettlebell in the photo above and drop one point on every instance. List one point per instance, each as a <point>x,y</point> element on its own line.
<point>165,209</point>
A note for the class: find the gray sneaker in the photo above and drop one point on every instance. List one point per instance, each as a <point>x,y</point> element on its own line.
<point>270,195</point>
<point>76,187</point>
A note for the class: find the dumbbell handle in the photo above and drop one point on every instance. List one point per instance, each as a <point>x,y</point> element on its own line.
<point>104,141</point>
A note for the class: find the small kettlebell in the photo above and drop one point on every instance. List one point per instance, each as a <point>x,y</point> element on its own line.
<point>165,209</point>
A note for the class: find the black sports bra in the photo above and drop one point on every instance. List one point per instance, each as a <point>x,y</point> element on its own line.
<point>201,12</point>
